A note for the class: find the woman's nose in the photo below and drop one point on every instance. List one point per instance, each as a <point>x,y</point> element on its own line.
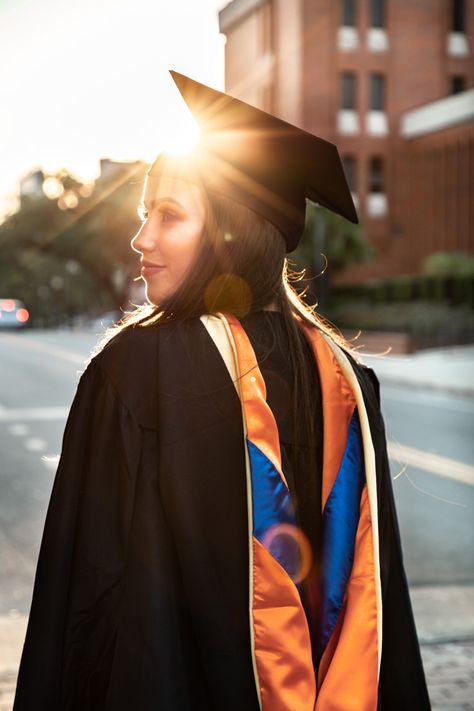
<point>143,240</point>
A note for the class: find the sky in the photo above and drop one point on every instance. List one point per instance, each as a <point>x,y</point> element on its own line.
<point>82,80</point>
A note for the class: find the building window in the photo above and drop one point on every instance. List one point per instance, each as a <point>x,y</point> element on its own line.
<point>376,175</point>
<point>377,203</point>
<point>349,165</point>
<point>348,13</point>
<point>347,116</point>
<point>458,84</point>
<point>377,13</point>
<point>347,34</point>
<point>348,91</point>
<point>458,15</point>
<point>377,92</point>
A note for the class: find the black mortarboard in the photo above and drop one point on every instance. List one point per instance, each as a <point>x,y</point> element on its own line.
<point>261,161</point>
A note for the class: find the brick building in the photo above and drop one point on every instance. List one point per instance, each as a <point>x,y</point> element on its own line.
<point>349,71</point>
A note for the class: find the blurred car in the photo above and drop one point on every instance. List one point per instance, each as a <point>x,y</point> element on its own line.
<point>13,314</point>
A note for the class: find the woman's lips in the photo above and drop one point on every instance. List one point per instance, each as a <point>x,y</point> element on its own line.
<point>149,270</point>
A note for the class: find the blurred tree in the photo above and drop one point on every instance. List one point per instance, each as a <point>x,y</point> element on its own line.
<point>329,244</point>
<point>449,264</point>
<point>67,251</point>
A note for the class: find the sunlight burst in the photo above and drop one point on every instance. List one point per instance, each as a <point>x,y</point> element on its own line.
<point>183,137</point>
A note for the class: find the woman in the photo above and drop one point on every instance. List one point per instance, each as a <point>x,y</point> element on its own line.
<point>221,532</point>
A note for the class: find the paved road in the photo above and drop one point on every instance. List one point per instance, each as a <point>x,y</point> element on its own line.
<point>38,378</point>
<point>428,428</point>
<point>435,510</point>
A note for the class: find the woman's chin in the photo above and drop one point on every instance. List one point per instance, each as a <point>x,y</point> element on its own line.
<point>155,295</point>
<point>152,299</point>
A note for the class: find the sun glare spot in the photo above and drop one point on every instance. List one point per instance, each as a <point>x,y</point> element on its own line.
<point>52,188</point>
<point>182,138</point>
<point>68,201</point>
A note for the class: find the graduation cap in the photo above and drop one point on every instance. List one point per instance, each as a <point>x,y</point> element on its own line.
<point>259,160</point>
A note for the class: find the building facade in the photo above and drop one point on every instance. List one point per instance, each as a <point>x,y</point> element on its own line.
<point>349,71</point>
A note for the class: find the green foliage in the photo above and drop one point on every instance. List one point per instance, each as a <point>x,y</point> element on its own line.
<point>428,323</point>
<point>449,264</point>
<point>70,254</point>
<point>455,290</point>
<point>436,308</point>
<point>340,241</point>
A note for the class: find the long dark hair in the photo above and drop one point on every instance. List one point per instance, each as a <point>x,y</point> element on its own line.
<point>240,267</point>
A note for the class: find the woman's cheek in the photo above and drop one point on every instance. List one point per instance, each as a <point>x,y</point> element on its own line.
<point>188,245</point>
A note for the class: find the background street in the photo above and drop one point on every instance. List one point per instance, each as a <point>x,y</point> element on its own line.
<point>429,430</point>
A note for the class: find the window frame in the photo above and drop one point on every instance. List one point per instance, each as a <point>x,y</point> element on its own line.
<point>348,90</point>
<point>349,165</point>
<point>458,16</point>
<point>376,178</point>
<point>458,84</point>
<point>377,92</point>
<point>378,14</point>
<point>348,10</point>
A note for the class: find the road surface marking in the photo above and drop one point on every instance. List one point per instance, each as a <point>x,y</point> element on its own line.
<point>18,429</point>
<point>34,413</point>
<point>56,351</point>
<point>433,463</point>
<point>429,399</point>
<point>51,463</point>
<point>35,444</point>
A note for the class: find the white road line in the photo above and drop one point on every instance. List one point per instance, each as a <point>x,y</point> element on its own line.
<point>35,444</point>
<point>424,399</point>
<point>34,413</point>
<point>55,351</point>
<point>51,463</point>
<point>18,429</point>
<point>433,463</point>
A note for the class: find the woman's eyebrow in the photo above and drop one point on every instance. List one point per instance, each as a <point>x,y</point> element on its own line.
<point>157,201</point>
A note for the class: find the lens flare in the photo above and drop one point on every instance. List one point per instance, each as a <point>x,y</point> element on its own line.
<point>182,138</point>
<point>228,292</point>
<point>290,546</point>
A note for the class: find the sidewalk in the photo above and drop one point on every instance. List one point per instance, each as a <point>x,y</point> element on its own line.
<point>445,624</point>
<point>448,370</point>
<point>449,670</point>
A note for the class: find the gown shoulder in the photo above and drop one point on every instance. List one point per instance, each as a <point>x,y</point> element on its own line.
<point>135,358</point>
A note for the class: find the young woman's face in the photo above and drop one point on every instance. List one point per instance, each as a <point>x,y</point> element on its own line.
<point>173,216</point>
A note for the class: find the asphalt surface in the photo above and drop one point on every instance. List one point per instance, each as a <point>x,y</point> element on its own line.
<point>435,511</point>
<point>38,379</point>
<point>429,423</point>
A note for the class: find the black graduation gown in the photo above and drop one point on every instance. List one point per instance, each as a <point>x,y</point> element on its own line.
<point>140,597</point>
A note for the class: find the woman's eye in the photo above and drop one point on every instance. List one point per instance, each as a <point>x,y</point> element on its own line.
<point>167,216</point>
